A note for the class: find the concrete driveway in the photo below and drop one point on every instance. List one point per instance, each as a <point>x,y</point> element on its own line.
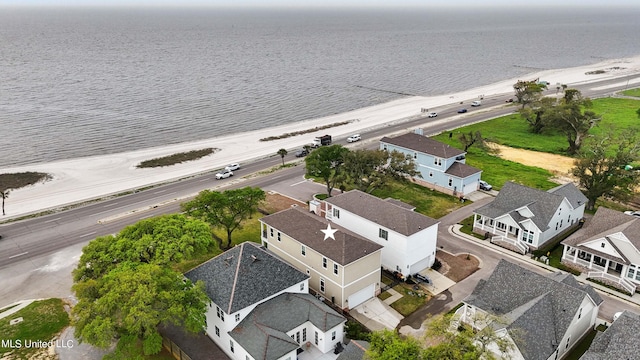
<point>376,315</point>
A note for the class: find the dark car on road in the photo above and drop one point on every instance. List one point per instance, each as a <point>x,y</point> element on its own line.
<point>462,111</point>
<point>301,153</point>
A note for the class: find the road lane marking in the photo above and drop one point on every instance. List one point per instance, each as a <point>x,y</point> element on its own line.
<point>203,180</point>
<point>148,216</point>
<point>298,183</point>
<point>107,205</point>
<point>88,234</point>
<point>48,221</point>
<point>160,191</point>
<point>14,256</point>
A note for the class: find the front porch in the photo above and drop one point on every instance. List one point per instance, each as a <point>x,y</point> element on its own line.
<point>502,234</point>
<point>599,267</point>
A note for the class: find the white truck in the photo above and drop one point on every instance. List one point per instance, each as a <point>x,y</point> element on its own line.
<point>476,103</point>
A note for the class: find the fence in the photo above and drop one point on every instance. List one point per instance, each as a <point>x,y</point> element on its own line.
<point>174,349</point>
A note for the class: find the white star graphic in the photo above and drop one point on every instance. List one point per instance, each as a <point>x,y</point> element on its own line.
<point>328,233</point>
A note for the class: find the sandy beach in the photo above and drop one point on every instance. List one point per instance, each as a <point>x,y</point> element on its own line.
<point>81,179</point>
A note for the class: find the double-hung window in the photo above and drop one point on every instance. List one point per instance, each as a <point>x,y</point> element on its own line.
<point>384,234</point>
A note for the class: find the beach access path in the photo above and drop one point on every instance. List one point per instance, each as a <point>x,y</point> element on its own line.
<point>82,179</point>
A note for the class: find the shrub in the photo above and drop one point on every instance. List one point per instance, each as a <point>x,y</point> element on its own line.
<point>436,265</point>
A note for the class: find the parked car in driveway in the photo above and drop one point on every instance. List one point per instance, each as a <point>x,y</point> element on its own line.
<point>485,185</point>
<point>433,114</point>
<point>224,174</point>
<point>234,166</point>
<point>422,278</point>
<point>462,111</point>
<point>633,213</point>
<point>354,138</point>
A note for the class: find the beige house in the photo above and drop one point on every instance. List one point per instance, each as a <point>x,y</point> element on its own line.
<point>343,267</point>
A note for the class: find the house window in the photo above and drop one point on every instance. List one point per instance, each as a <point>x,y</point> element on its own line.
<point>384,147</point>
<point>271,232</point>
<point>415,155</point>
<point>217,332</point>
<point>278,235</point>
<point>382,233</point>
<point>324,262</point>
<point>237,317</point>
<point>430,173</point>
<point>336,213</point>
<point>568,340</point>
<point>302,287</point>
<point>316,337</point>
<point>437,161</point>
<point>308,272</point>
<point>579,313</point>
<point>450,181</point>
<point>561,222</point>
<point>502,226</point>
<point>304,334</point>
<point>303,250</point>
<point>556,226</point>
<point>298,337</point>
<point>602,245</point>
<point>231,345</point>
<point>335,269</point>
<point>219,313</point>
<point>527,236</point>
<point>321,285</point>
<point>333,335</point>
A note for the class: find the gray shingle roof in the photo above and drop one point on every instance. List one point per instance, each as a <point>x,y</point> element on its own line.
<point>234,280</point>
<point>354,350</point>
<point>423,144</point>
<point>384,213</point>
<point>572,193</point>
<point>606,222</point>
<point>539,309</point>
<point>263,332</point>
<point>305,227</point>
<point>461,170</point>
<point>619,341</point>
<point>543,204</point>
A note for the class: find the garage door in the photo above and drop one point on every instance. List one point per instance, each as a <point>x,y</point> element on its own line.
<point>361,296</point>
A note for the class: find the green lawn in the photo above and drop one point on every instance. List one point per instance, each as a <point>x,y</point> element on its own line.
<point>43,320</point>
<point>497,171</point>
<point>427,202</point>
<point>410,301</point>
<point>632,92</point>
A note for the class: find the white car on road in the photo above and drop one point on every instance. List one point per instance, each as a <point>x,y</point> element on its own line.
<point>354,138</point>
<point>432,114</point>
<point>224,174</point>
<point>231,167</point>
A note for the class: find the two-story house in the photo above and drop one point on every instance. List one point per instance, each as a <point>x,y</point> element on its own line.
<point>618,341</point>
<point>525,217</point>
<point>343,266</point>
<point>607,247</point>
<point>408,238</point>
<point>543,317</point>
<point>441,166</point>
<point>260,307</point>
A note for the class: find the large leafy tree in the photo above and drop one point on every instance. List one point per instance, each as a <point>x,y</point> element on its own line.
<point>326,163</point>
<point>162,240</point>
<point>368,170</point>
<point>125,285</point>
<point>131,300</point>
<point>528,92</point>
<point>533,114</point>
<point>388,345</point>
<point>227,209</point>
<point>572,117</point>
<point>601,166</point>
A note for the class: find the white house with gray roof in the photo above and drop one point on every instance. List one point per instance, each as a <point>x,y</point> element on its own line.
<point>525,217</point>
<point>407,237</point>
<point>441,166</point>
<point>607,247</point>
<point>544,316</point>
<point>619,341</point>
<point>260,307</point>
<point>343,266</point>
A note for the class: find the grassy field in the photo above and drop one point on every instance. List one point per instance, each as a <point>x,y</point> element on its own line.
<point>43,320</point>
<point>632,92</point>
<point>427,202</point>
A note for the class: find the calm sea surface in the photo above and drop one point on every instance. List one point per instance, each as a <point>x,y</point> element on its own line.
<point>79,82</point>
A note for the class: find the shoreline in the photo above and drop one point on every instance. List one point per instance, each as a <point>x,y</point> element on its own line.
<point>82,179</point>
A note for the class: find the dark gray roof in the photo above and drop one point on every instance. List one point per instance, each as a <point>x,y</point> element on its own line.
<point>538,309</point>
<point>461,170</point>
<point>400,203</point>
<point>384,213</point>
<point>619,341</point>
<point>606,222</point>
<point>575,197</point>
<point>354,350</point>
<point>263,332</point>
<point>306,227</point>
<point>423,144</point>
<point>543,204</point>
<point>243,276</point>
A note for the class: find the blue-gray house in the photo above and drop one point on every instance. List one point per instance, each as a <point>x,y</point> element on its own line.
<point>442,166</point>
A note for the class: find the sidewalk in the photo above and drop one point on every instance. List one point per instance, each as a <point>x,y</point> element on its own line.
<point>582,278</point>
<point>17,306</point>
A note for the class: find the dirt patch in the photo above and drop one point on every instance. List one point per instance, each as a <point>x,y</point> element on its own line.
<point>276,202</point>
<point>559,165</point>
<point>457,267</point>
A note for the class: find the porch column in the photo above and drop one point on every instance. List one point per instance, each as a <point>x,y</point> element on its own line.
<point>575,256</point>
<point>606,266</point>
<point>591,261</point>
<point>475,220</point>
<point>564,251</point>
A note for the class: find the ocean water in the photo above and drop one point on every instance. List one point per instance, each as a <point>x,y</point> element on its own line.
<point>87,81</point>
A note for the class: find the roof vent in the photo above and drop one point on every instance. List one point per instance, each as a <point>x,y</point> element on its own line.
<point>254,258</point>
<point>228,260</point>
